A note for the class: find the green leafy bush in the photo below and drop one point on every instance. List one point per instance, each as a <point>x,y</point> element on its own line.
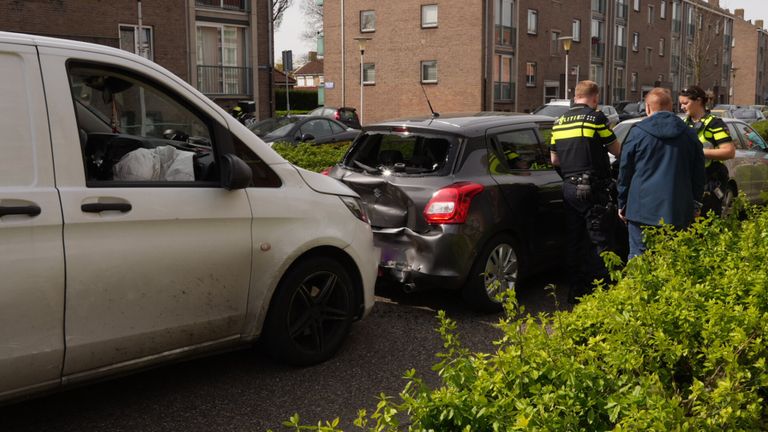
<point>300,99</point>
<point>678,344</point>
<point>283,113</point>
<point>761,127</point>
<point>312,157</point>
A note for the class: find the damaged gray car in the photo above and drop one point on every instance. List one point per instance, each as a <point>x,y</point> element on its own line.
<point>467,202</point>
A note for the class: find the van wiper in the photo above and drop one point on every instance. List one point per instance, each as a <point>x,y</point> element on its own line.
<point>368,169</point>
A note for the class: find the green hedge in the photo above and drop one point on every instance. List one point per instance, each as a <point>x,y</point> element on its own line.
<point>283,113</point>
<point>678,344</point>
<point>304,100</point>
<point>761,127</point>
<point>312,157</point>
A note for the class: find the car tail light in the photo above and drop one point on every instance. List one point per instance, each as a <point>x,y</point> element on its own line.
<point>450,205</point>
<point>337,116</point>
<point>326,171</point>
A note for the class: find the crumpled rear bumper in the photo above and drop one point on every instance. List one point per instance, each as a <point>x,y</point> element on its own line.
<point>440,258</point>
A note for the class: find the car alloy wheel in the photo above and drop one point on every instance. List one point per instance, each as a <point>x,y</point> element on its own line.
<point>311,312</point>
<point>318,309</point>
<point>500,270</point>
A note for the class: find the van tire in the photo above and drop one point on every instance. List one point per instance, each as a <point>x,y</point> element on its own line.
<point>500,260</point>
<point>311,312</point>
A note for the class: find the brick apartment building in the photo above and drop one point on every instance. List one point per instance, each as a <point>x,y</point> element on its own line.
<point>506,55</point>
<point>222,47</point>
<point>750,61</point>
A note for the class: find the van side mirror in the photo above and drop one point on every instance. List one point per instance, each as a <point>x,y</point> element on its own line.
<point>235,174</point>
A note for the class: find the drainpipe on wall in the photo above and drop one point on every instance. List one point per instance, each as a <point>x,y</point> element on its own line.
<point>343,61</point>
<point>271,62</point>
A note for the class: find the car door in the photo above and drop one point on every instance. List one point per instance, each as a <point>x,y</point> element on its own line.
<point>750,167</point>
<point>520,163</point>
<point>319,129</point>
<point>31,250</point>
<point>158,253</point>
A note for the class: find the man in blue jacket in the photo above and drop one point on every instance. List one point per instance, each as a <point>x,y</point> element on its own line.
<point>661,175</point>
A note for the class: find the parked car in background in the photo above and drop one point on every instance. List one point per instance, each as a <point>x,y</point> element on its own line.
<point>748,170</point>
<point>318,130</point>
<point>722,113</point>
<point>132,237</point>
<point>748,115</point>
<point>632,110</point>
<point>558,107</point>
<point>464,202</point>
<point>728,107</point>
<point>346,115</point>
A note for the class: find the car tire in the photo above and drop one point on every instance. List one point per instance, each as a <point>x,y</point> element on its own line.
<point>499,261</point>
<point>311,312</point>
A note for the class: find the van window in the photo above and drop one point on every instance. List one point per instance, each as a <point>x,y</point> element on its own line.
<point>132,130</point>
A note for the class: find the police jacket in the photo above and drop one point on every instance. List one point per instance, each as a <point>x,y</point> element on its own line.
<point>711,130</point>
<point>580,137</point>
<point>661,173</point>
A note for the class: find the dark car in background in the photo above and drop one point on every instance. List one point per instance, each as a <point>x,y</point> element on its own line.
<point>748,171</point>
<point>748,115</point>
<point>296,129</point>
<point>631,110</point>
<point>558,107</point>
<point>464,202</point>
<point>346,115</point>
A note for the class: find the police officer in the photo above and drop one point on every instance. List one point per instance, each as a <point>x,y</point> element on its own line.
<point>581,141</point>
<point>717,142</point>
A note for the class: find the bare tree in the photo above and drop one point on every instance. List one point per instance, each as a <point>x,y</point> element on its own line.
<point>314,19</point>
<point>278,9</point>
<point>703,51</point>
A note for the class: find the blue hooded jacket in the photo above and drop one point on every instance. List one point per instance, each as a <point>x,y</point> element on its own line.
<point>661,174</point>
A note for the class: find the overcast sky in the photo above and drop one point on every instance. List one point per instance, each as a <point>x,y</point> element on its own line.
<point>288,36</point>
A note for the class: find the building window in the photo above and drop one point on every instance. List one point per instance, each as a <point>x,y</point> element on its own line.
<point>130,42</point>
<point>635,41</point>
<point>663,9</point>
<point>648,56</point>
<point>554,43</point>
<point>530,74</point>
<point>636,6</point>
<point>651,13</point>
<point>717,27</point>
<point>369,73</point>
<point>367,21</point>
<point>222,59</point>
<point>598,39</point>
<point>619,91</point>
<point>621,43</point>
<point>533,21</point>
<point>429,72</point>
<point>506,33</point>
<point>633,82</point>
<point>504,73</point>
<point>576,30</point>
<point>429,16</point>
<point>662,42</point>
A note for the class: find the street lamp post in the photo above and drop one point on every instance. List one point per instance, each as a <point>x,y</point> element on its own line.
<point>567,40</point>
<point>361,42</point>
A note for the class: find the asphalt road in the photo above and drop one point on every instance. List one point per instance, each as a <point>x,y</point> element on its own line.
<point>246,391</point>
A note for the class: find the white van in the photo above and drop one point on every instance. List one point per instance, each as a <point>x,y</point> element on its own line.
<point>140,223</point>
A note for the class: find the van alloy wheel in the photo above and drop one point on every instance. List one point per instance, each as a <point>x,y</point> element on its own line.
<point>318,310</point>
<point>500,270</point>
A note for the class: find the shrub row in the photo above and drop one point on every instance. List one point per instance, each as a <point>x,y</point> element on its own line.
<point>300,99</point>
<point>312,157</point>
<point>761,127</point>
<point>679,343</point>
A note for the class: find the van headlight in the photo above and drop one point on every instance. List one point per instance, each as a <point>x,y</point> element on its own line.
<point>355,205</point>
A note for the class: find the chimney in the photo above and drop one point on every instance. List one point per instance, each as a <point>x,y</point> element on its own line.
<point>312,56</point>
<point>739,13</point>
<point>759,24</point>
<point>715,3</point>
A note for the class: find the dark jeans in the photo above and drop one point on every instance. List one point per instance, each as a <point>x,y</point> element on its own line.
<point>590,232</point>
<point>636,241</point>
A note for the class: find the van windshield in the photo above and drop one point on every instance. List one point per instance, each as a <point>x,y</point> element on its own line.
<point>399,153</point>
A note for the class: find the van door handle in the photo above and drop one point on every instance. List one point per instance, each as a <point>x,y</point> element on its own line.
<point>30,210</point>
<point>102,207</point>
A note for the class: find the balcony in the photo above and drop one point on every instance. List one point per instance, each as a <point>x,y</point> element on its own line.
<point>232,5</point>
<point>621,53</point>
<point>505,35</point>
<point>619,94</point>
<point>691,29</point>
<point>675,62</point>
<point>676,26</point>
<point>224,80</point>
<point>504,91</point>
<point>598,49</point>
<point>622,11</point>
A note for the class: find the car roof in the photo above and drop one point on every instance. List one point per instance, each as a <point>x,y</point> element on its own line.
<point>472,124</point>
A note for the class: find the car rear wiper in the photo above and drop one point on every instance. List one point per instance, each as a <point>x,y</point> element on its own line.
<point>368,169</point>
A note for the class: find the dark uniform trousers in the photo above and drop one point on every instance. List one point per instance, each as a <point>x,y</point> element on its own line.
<point>591,227</point>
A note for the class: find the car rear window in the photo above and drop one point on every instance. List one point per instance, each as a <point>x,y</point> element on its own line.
<point>399,153</point>
<point>552,110</point>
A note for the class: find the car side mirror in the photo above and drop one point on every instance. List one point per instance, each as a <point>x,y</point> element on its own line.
<point>307,137</point>
<point>235,174</point>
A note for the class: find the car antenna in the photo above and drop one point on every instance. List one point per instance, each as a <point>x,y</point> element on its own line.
<point>434,114</point>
